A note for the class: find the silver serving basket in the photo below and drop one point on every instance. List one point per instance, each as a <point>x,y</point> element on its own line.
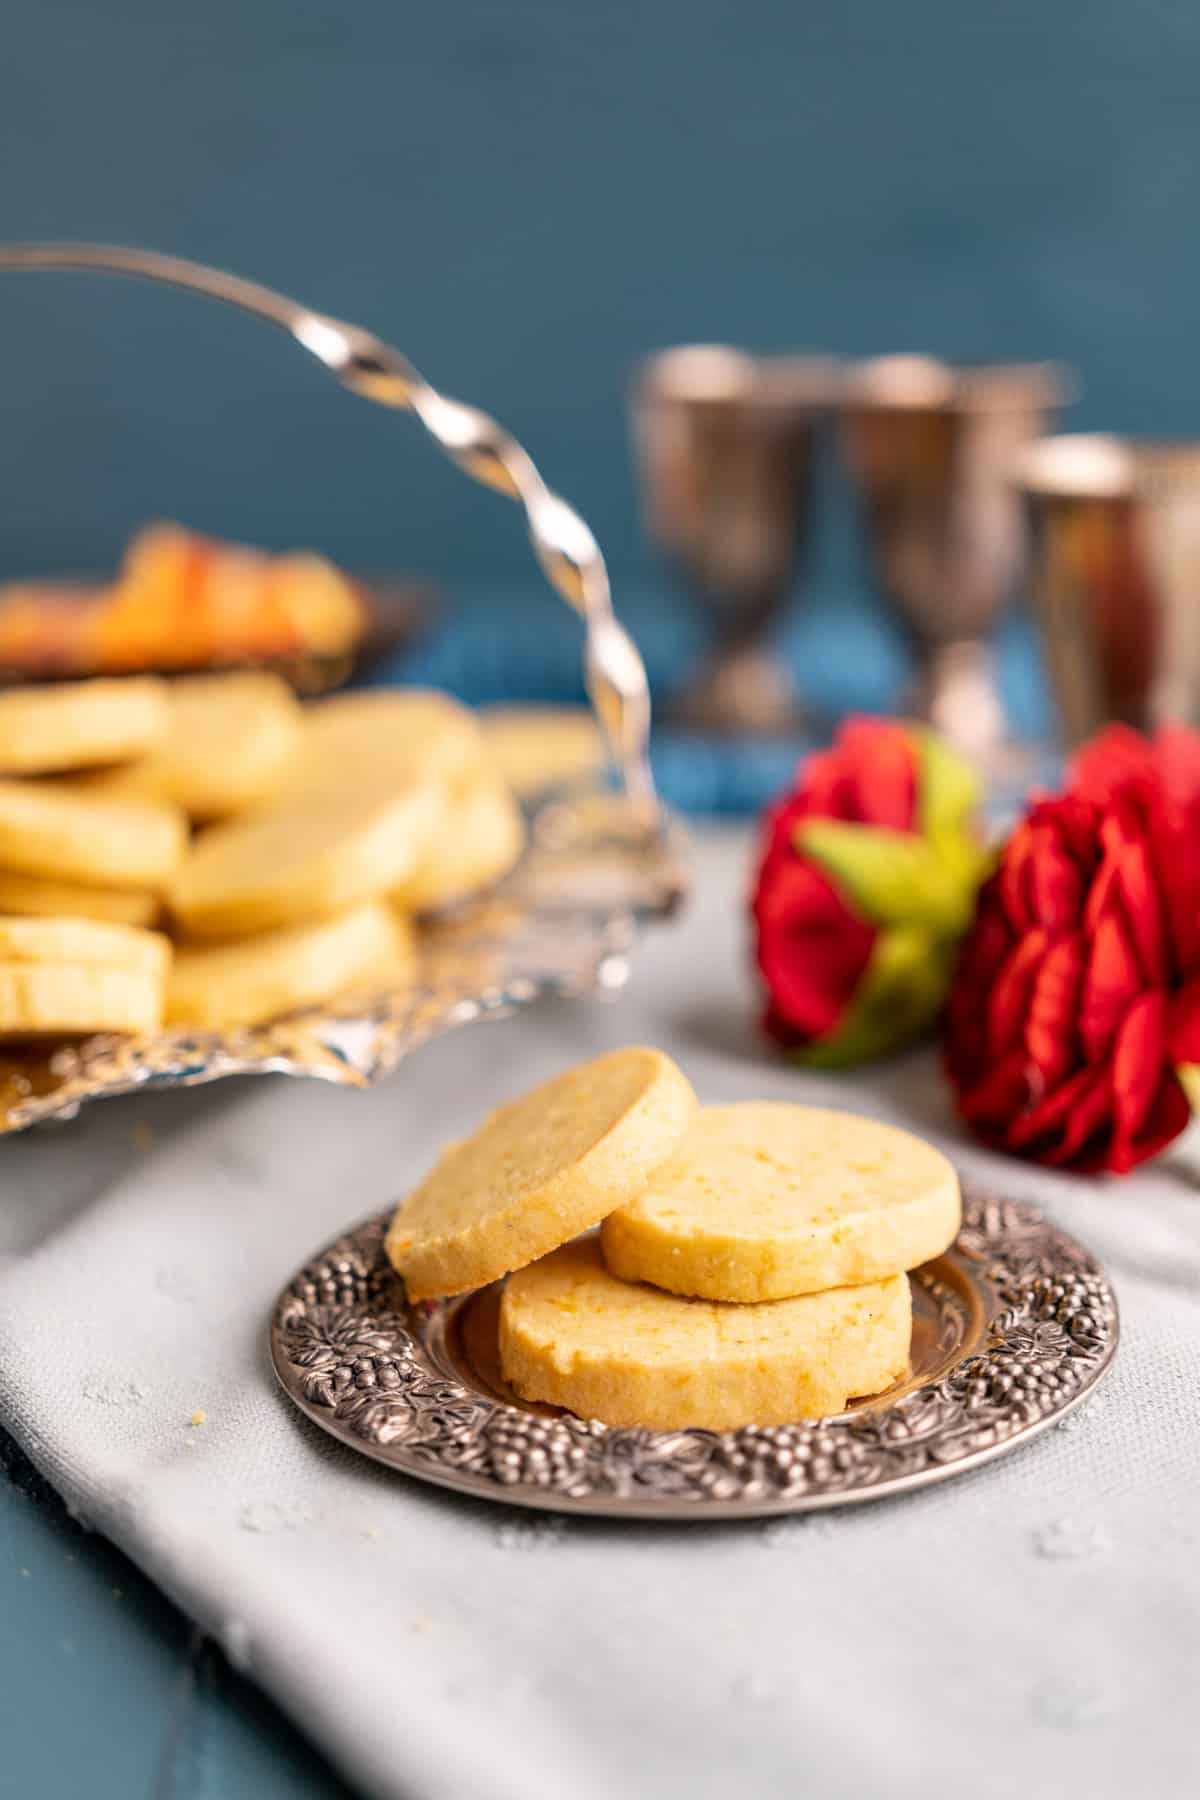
<point>602,855</point>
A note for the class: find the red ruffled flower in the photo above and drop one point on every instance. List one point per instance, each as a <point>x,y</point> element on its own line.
<point>1077,995</point>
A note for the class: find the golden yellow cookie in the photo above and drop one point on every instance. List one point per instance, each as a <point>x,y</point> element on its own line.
<point>228,745</point>
<point>57,999</point>
<point>42,897</point>
<point>308,854</point>
<point>84,941</point>
<point>761,1200</point>
<point>279,971</point>
<point>76,724</point>
<point>539,1170</point>
<point>535,747</point>
<point>418,733</point>
<point>479,840</point>
<point>70,836</point>
<point>572,1334</point>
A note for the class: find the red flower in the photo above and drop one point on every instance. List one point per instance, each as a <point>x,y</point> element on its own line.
<point>868,871</point>
<point>812,947</point>
<point>1078,988</point>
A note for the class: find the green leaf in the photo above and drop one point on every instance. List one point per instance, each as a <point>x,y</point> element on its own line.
<point>948,786</point>
<point>899,997</point>
<point>894,877</point>
<point>1189,1081</point>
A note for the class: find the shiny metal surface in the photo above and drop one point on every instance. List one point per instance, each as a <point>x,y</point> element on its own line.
<point>1116,577</point>
<point>1012,1328</point>
<point>725,445</point>
<point>930,448</point>
<point>564,546</point>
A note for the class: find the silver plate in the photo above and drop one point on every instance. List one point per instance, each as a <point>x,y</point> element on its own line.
<point>1012,1328</point>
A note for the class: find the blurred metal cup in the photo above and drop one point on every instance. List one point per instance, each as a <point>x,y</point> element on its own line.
<point>726,444</point>
<point>1116,526</point>
<point>931,449</point>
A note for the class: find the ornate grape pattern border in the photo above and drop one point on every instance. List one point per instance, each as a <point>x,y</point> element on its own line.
<point>355,1365</point>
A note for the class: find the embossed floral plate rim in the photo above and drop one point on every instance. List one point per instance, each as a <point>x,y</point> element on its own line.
<point>1024,1323</point>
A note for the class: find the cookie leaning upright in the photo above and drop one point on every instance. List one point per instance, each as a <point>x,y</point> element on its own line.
<point>764,1200</point>
<point>61,834</point>
<point>389,727</point>
<point>539,1170</point>
<point>481,840</point>
<point>311,852</point>
<point>275,972</point>
<point>361,806</point>
<point>228,746</point>
<point>80,724</point>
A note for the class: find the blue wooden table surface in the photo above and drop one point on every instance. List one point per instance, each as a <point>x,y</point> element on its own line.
<point>107,1690</point>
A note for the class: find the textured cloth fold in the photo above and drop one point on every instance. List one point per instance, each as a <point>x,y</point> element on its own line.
<point>1027,1629</point>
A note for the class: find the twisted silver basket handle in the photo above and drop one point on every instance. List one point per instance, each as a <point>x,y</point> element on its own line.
<point>563,544</point>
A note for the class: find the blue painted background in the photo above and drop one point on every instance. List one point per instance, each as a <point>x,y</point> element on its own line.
<point>525,196</point>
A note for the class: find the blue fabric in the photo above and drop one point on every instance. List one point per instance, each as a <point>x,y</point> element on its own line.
<point>844,654</point>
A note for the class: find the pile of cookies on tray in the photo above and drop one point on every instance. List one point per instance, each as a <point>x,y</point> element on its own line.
<point>207,852</point>
<point>751,1262</point>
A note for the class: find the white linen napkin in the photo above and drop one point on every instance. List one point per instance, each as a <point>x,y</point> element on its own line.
<point>1028,1629</point>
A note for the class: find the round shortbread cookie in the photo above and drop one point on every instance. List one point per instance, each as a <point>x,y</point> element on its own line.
<point>77,724</point>
<point>279,971</point>
<point>416,733</point>
<point>40,897</point>
<point>573,1335</point>
<point>71,836</point>
<point>535,747</point>
<point>539,1170</point>
<point>308,854</point>
<point>83,941</point>
<point>228,746</point>
<point>765,1200</point>
<point>480,838</point>
<point>70,999</point>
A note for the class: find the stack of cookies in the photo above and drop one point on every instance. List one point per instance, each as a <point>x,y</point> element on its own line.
<point>751,1263</point>
<point>284,851</point>
<point>79,975</point>
<point>386,809</point>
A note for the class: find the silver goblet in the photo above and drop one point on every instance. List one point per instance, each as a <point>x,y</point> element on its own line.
<point>930,448</point>
<point>726,444</point>
<point>1116,578</point>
